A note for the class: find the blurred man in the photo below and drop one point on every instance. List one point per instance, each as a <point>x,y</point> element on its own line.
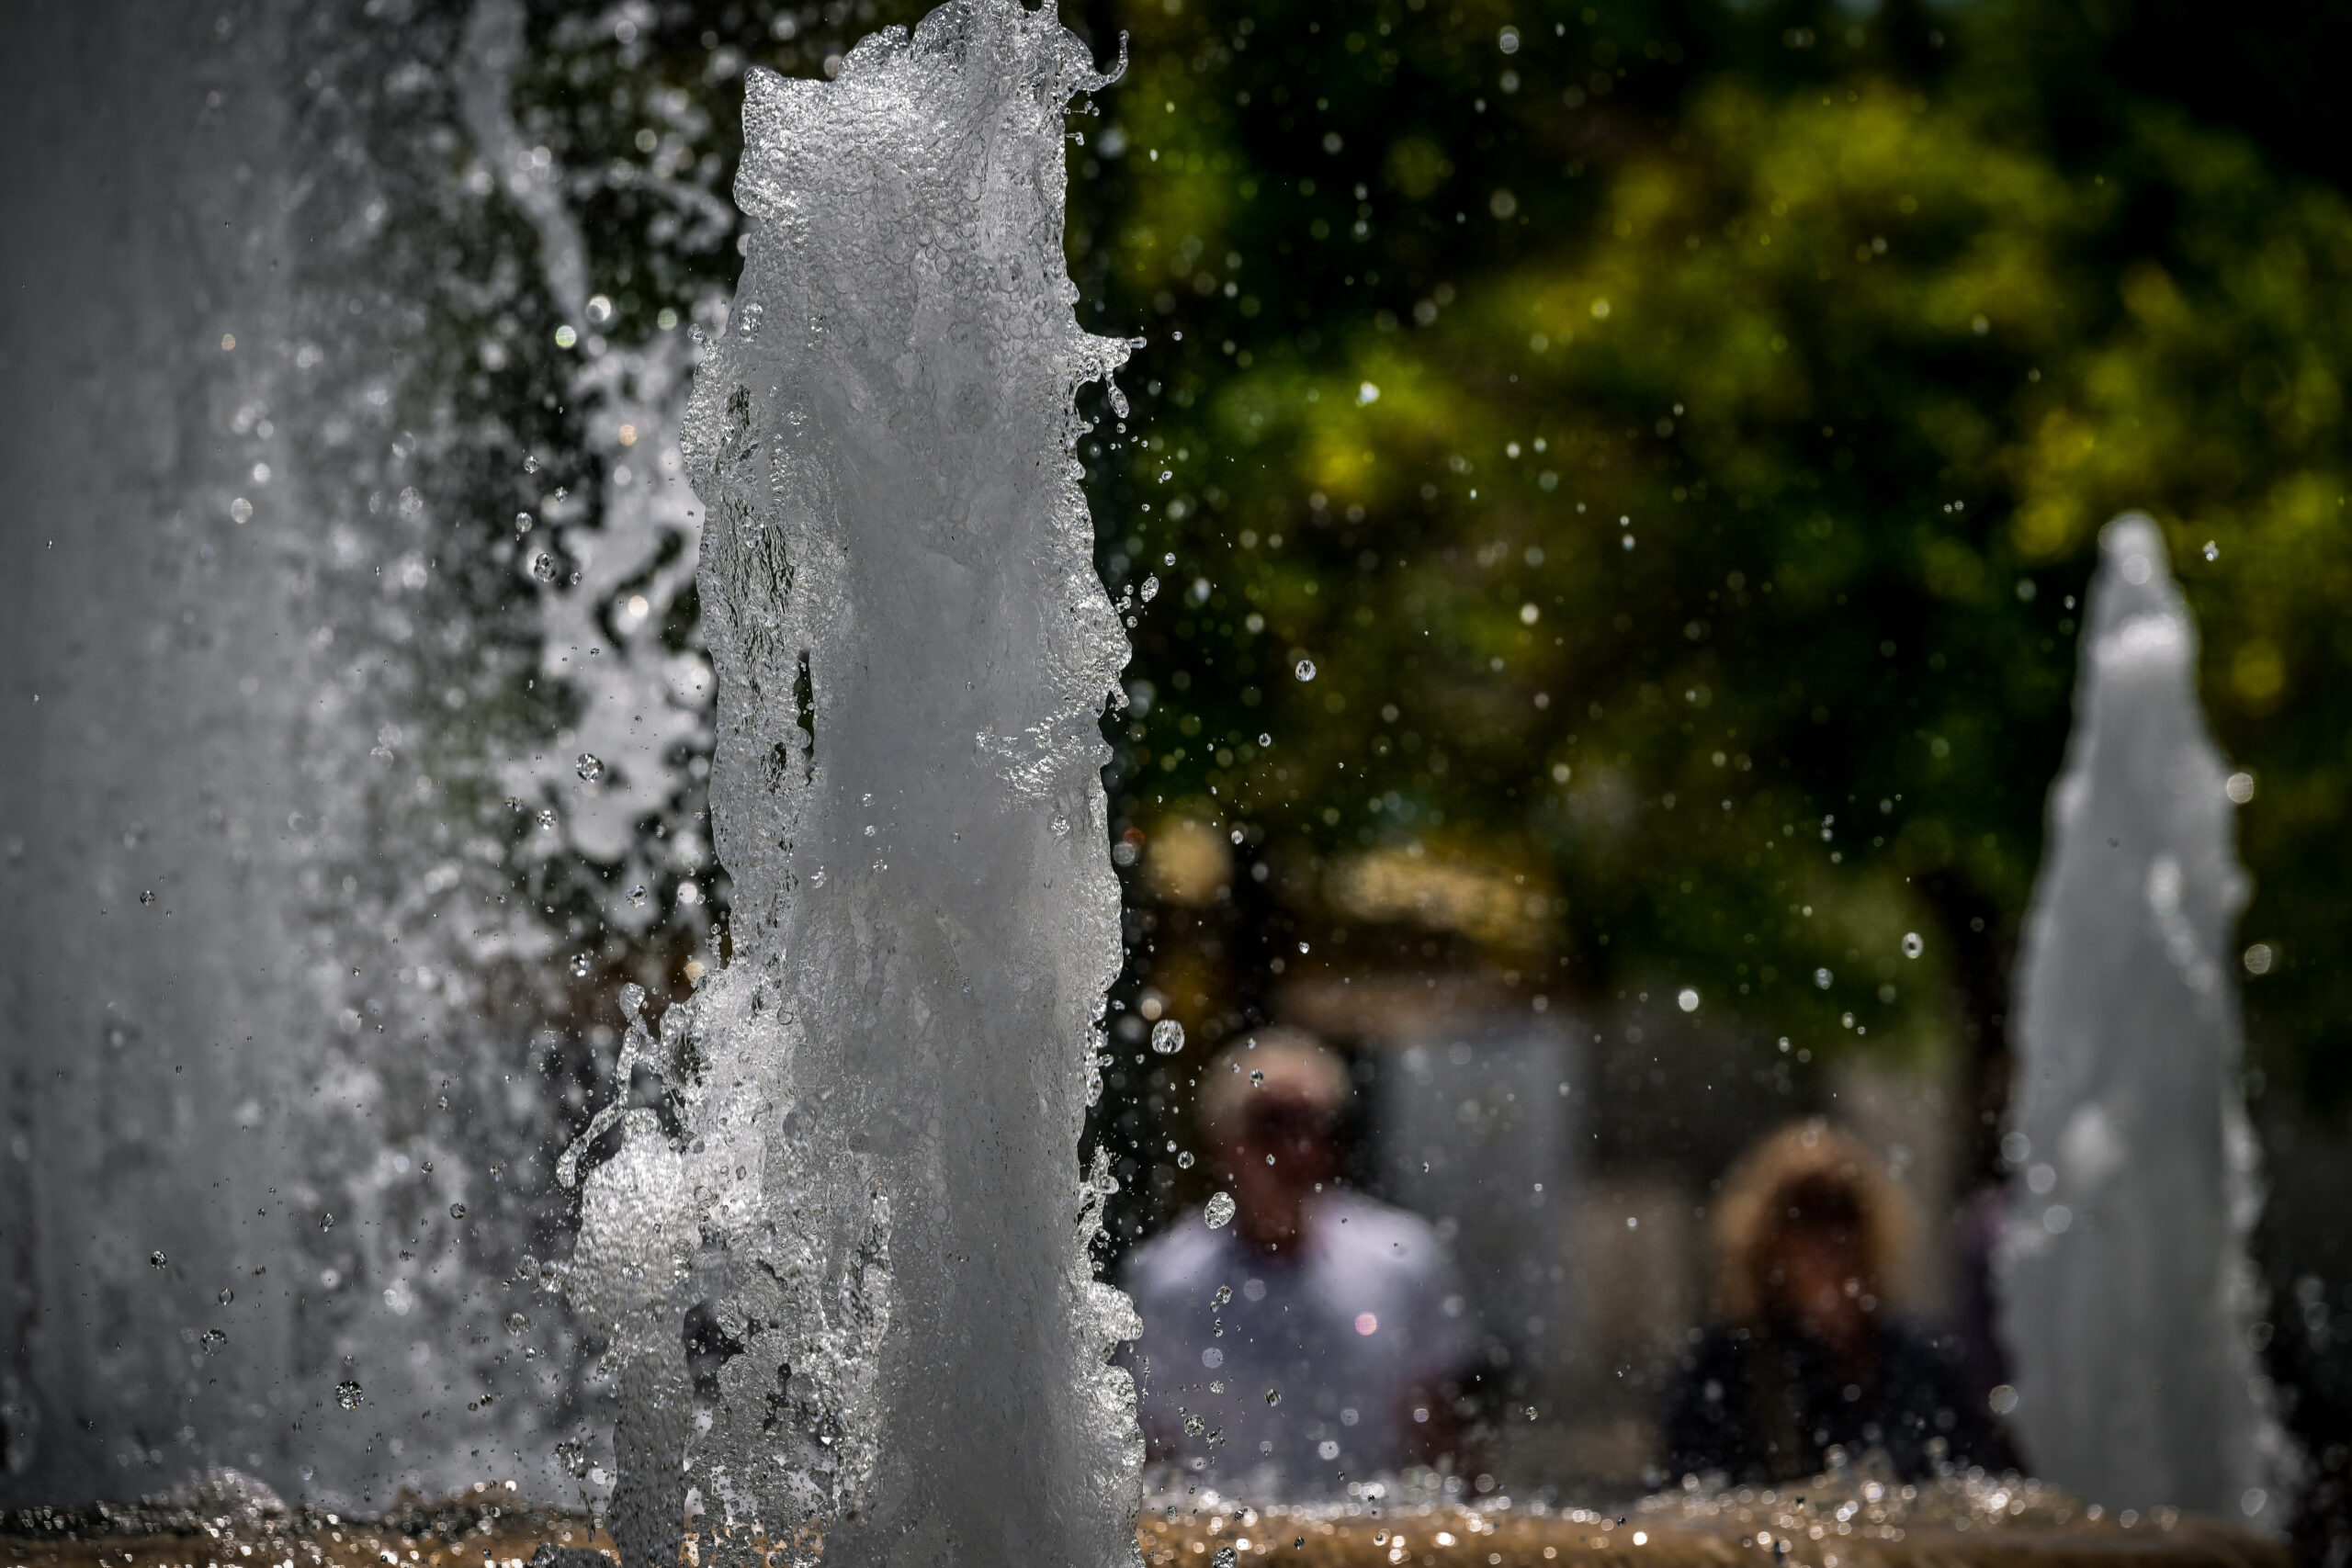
<point>1811,1355</point>
<point>1317,1334</point>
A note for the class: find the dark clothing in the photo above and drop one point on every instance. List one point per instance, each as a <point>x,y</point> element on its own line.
<point>1766,1404</point>
<point>1976,1317</point>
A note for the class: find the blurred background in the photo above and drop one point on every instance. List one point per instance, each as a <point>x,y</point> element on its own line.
<point>1603,495</point>
<point>1675,435</point>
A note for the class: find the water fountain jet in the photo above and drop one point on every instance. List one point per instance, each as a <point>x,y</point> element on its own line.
<point>868,1194</point>
<point>2129,1290</point>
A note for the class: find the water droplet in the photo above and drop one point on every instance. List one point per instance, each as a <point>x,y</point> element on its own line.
<point>544,568</point>
<point>581,966</point>
<point>1194,1425</point>
<point>212,1339</point>
<point>326,1221</point>
<point>1185,1160</point>
<point>1273,1396</point>
<point>148,897</point>
<point>457,1211</point>
<point>636,894</point>
<point>1224,1294</point>
<point>1687,999</point>
<point>2213,550</point>
<point>228,1296</point>
<point>1224,1559</point>
<point>1305,670</point>
<point>1367,393</point>
<point>157,1259</point>
<point>747,321</point>
<point>1168,1037</point>
<point>516,1323</point>
<point>1912,946</point>
<point>1150,589</point>
<point>1118,401</point>
<point>565,337</point>
<point>530,464</point>
<point>241,510</point>
<point>522,523</point>
<point>347,1394</point>
<point>1256,1079</point>
<point>591,767</point>
<point>547,819</point>
<point>1820,979</point>
<point>1219,1210</point>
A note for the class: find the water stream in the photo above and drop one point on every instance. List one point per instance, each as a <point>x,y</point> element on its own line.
<point>2129,1293</point>
<point>860,1196</point>
<point>309,876</point>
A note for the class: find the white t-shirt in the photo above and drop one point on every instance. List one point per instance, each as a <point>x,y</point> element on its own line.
<point>1342,1334</point>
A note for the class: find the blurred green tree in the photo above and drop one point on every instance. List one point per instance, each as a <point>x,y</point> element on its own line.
<point>1675,437</point>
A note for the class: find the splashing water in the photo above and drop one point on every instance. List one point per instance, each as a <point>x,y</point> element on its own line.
<point>294,1026</point>
<point>2130,1289</point>
<point>872,1192</point>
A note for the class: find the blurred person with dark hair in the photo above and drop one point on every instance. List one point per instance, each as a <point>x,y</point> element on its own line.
<point>1319,1335</point>
<point>1810,1355</point>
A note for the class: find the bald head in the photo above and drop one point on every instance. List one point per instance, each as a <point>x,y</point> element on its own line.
<point>1269,1068</point>
<point>1269,1104</point>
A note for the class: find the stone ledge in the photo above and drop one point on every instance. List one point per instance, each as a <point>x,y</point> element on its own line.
<point>1417,1536</point>
<point>1773,1535</point>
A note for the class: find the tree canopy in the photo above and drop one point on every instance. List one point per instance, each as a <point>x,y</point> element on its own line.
<point>1676,438</point>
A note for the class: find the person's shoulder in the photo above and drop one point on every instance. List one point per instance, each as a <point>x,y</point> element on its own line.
<point>1367,1226</point>
<point>1175,1259</point>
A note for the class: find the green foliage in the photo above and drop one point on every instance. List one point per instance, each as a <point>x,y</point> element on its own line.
<point>1859,331</point>
<point>1677,439</point>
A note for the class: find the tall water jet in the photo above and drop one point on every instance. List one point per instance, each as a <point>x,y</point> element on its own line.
<point>281,967</point>
<point>2129,1290</point>
<point>859,1195</point>
<point>145,924</point>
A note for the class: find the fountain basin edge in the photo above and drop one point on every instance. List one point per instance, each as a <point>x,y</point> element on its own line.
<point>463,1534</point>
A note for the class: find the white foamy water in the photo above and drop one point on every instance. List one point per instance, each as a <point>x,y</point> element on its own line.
<point>2129,1290</point>
<point>868,1196</point>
